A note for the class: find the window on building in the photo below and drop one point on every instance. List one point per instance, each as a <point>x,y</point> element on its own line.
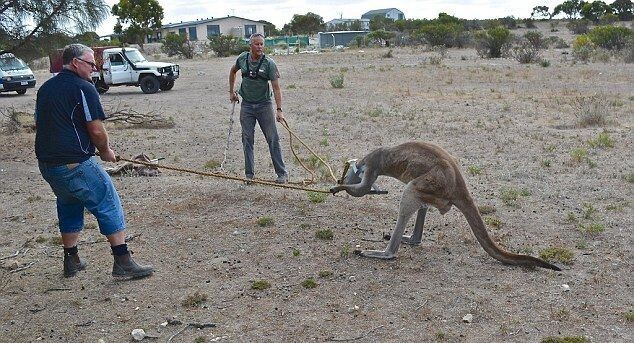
<point>182,32</point>
<point>192,33</point>
<point>249,30</point>
<point>213,30</point>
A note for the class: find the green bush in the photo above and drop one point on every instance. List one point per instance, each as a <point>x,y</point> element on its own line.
<point>441,34</point>
<point>536,39</point>
<point>608,19</point>
<point>227,45</point>
<point>610,37</point>
<point>494,42</point>
<point>175,44</point>
<point>578,26</point>
<point>582,48</point>
<point>628,51</point>
<point>337,81</point>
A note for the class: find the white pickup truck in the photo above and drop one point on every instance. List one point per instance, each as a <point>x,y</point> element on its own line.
<point>126,67</point>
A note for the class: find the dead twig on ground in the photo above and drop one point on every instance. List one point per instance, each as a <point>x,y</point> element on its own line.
<point>10,256</point>
<point>354,338</point>
<point>23,268</point>
<point>194,325</point>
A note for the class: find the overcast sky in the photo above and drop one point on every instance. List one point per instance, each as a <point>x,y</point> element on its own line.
<point>280,12</point>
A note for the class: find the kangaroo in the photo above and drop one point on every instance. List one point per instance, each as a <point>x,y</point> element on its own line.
<point>432,177</point>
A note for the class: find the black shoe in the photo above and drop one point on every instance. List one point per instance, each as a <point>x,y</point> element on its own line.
<point>124,266</point>
<point>282,178</point>
<point>73,264</point>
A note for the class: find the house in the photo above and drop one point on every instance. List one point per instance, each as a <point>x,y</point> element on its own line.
<point>199,30</point>
<point>337,24</point>
<point>391,13</point>
<point>335,38</point>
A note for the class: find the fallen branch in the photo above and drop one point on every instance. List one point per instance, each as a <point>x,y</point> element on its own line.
<point>150,119</point>
<point>194,325</point>
<point>354,338</point>
<point>23,268</point>
<point>10,256</point>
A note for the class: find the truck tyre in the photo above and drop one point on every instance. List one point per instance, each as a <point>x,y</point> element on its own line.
<point>101,86</point>
<point>150,84</point>
<point>167,85</point>
<point>21,91</point>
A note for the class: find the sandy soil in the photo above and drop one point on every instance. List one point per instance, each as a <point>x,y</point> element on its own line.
<point>514,128</point>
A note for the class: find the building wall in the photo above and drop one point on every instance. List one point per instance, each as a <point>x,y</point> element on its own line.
<point>395,14</point>
<point>227,26</point>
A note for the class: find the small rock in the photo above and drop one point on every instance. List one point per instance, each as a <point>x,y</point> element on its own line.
<point>164,324</point>
<point>138,334</point>
<point>352,278</point>
<point>565,288</point>
<point>467,318</point>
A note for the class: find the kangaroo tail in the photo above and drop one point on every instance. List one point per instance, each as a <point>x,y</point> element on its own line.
<point>470,211</point>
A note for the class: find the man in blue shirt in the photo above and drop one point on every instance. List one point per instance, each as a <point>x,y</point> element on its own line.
<point>69,121</point>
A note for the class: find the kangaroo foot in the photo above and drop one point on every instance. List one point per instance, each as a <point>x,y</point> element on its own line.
<point>410,240</point>
<point>380,254</point>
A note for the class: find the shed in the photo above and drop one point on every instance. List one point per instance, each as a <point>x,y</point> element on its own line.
<point>334,38</point>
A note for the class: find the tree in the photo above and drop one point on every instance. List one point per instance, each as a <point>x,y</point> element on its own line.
<point>381,23</point>
<point>593,11</point>
<point>571,8</point>
<point>310,23</point>
<point>269,28</point>
<point>624,9</point>
<point>143,16</point>
<point>23,21</point>
<point>540,12</point>
<point>380,36</point>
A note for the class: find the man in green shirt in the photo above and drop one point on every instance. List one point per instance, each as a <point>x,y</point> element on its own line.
<point>257,70</point>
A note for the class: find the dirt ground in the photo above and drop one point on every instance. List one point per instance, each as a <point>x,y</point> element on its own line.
<point>514,128</point>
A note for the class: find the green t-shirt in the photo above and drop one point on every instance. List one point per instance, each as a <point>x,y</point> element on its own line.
<point>258,89</point>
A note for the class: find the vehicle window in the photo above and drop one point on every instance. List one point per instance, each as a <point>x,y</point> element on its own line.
<point>11,63</point>
<point>134,56</point>
<point>116,60</point>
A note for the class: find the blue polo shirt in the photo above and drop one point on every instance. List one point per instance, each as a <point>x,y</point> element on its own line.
<point>65,103</point>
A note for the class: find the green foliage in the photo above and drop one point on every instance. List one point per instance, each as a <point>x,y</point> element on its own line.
<point>629,316</point>
<point>30,28</point>
<point>536,39</point>
<point>175,44</point>
<point>594,10</point>
<point>337,81</point>
<point>316,197</point>
<point>540,12</point>
<point>493,43</point>
<point>560,254</point>
<point>578,26</point>
<point>445,34</point>
<point>325,273</point>
<point>296,252</point>
<point>610,37</point>
<point>603,140</point>
<point>623,9</point>
<point>474,170</point>
<point>143,16</point>
<point>260,285</point>
<point>227,45</point>
<point>309,283</point>
<point>510,195</point>
<point>270,29</point>
<point>592,228</point>
<point>345,250</point>
<point>325,234</point>
<point>493,222</point>
<point>265,221</point>
<point>309,23</point>
<point>571,8</point>
<point>211,164</point>
<point>379,36</point>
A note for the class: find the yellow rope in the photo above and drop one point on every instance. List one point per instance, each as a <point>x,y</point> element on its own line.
<point>292,134</point>
<point>224,176</point>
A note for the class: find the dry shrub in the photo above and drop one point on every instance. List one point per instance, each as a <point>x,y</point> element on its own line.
<point>592,111</point>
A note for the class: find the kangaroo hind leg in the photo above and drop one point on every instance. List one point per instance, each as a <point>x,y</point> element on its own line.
<point>410,203</point>
<point>417,236</point>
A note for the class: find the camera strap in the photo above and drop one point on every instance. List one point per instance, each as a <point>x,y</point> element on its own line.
<point>257,70</point>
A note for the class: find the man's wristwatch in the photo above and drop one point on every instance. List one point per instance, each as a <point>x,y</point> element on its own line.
<point>279,109</point>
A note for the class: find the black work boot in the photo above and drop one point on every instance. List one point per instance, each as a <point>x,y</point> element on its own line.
<point>124,266</point>
<point>73,264</point>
